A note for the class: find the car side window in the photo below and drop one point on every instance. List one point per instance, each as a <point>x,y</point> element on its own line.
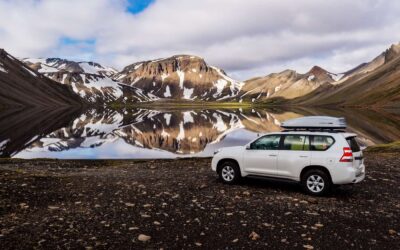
<point>321,143</point>
<point>296,142</point>
<point>268,142</point>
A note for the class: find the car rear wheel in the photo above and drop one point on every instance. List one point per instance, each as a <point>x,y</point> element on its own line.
<point>229,172</point>
<point>316,182</point>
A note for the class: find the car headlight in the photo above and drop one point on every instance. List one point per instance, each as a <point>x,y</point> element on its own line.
<point>217,151</point>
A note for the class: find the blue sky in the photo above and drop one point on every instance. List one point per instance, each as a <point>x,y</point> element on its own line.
<point>137,6</point>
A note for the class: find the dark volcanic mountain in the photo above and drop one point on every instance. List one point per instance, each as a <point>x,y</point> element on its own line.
<point>180,77</point>
<point>22,86</point>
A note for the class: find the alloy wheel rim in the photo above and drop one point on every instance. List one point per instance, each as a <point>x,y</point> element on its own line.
<point>315,183</point>
<point>228,173</point>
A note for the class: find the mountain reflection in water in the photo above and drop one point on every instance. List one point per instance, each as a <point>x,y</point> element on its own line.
<point>166,133</point>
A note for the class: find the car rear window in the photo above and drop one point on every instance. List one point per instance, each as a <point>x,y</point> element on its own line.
<point>321,142</point>
<point>353,144</point>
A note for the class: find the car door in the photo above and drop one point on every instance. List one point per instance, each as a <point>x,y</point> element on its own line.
<point>261,156</point>
<point>294,155</point>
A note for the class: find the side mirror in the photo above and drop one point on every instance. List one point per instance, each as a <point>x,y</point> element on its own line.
<point>248,146</point>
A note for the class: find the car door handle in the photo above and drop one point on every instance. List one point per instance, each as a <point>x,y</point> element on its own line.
<point>303,156</point>
<point>272,155</point>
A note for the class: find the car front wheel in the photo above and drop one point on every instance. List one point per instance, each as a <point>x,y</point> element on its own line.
<point>229,172</point>
<point>316,182</point>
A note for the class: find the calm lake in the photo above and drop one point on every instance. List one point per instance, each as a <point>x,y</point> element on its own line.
<point>138,133</point>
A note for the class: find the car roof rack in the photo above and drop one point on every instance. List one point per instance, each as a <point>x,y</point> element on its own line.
<point>315,123</point>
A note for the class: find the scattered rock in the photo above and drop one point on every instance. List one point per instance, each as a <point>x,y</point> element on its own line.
<point>254,236</point>
<point>143,237</point>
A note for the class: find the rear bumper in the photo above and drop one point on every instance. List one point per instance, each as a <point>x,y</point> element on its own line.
<point>359,177</point>
<point>348,175</point>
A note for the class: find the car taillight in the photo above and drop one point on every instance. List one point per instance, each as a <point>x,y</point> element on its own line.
<point>347,155</point>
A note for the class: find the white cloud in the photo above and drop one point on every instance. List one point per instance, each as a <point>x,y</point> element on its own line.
<point>246,38</point>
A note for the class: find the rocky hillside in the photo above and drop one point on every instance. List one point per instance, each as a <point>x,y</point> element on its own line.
<point>376,83</point>
<point>190,78</point>
<point>22,86</point>
<point>287,84</point>
<point>180,77</point>
<point>90,80</point>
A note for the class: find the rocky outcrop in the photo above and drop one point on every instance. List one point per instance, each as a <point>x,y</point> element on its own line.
<point>181,77</point>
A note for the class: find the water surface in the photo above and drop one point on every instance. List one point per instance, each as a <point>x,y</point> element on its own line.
<point>138,133</point>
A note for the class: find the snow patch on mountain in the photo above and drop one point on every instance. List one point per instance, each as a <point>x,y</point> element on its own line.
<point>220,85</point>
<point>219,124</point>
<point>2,69</point>
<point>187,117</point>
<point>100,83</point>
<point>167,92</point>
<point>187,93</point>
<point>167,118</point>
<point>181,75</point>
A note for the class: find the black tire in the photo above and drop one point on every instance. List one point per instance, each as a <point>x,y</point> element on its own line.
<point>229,172</point>
<point>316,182</point>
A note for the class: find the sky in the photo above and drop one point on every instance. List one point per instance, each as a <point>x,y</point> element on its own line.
<point>245,38</point>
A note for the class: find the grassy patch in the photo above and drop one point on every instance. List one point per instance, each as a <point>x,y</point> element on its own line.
<point>385,148</point>
<point>173,103</point>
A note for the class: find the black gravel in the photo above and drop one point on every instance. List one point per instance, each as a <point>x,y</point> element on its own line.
<point>181,204</point>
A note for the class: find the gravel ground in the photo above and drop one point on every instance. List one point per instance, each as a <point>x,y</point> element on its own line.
<point>169,204</point>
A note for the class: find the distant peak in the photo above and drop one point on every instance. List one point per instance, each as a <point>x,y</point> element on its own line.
<point>395,48</point>
<point>316,70</point>
<point>2,52</point>
<point>392,52</point>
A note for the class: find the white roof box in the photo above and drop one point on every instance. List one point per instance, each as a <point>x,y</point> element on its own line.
<point>315,122</point>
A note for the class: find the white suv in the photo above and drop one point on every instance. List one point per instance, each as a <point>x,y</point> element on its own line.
<point>315,159</point>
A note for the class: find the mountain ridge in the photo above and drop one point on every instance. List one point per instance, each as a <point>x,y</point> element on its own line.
<point>191,78</point>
